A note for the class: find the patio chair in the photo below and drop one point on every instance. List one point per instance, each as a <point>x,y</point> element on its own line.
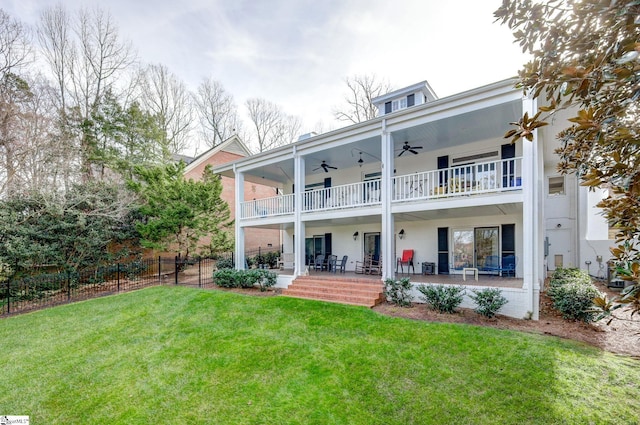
<point>492,264</point>
<point>508,266</point>
<point>364,266</point>
<point>331,263</point>
<point>375,267</point>
<point>340,264</point>
<point>407,258</point>
<point>319,262</point>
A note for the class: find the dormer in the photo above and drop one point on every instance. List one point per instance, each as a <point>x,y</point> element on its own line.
<point>416,94</point>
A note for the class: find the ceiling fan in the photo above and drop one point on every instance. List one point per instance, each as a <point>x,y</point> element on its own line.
<point>407,147</point>
<point>325,167</point>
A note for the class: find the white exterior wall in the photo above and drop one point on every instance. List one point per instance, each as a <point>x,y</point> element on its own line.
<point>517,305</point>
<point>594,241</point>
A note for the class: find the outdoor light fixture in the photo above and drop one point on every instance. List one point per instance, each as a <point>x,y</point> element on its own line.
<point>401,234</point>
<point>355,235</point>
<point>360,161</point>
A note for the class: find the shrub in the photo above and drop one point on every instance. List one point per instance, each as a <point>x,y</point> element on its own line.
<point>225,263</point>
<point>272,258</point>
<point>443,298</point>
<point>488,301</point>
<point>398,291</point>
<point>264,278</point>
<point>573,293</point>
<point>562,276</point>
<point>227,278</point>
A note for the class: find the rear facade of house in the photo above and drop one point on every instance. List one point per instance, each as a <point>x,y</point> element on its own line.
<point>435,177</point>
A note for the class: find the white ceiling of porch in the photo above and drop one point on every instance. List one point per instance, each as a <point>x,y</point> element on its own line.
<point>483,124</point>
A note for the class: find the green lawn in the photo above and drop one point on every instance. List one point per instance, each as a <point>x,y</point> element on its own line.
<point>173,355</point>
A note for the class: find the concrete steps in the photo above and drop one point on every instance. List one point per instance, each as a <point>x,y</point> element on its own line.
<point>364,292</point>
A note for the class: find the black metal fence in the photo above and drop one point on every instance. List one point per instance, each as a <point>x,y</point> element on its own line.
<point>45,290</point>
<point>49,289</point>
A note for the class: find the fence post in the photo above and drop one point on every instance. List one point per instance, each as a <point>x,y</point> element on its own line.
<point>176,270</point>
<point>200,272</point>
<point>159,268</point>
<point>68,285</point>
<point>8,296</point>
<point>118,274</point>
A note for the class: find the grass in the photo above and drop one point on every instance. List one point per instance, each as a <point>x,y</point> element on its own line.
<point>167,355</point>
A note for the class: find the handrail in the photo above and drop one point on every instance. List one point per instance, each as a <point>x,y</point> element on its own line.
<point>483,177</point>
<point>343,196</point>
<point>268,207</point>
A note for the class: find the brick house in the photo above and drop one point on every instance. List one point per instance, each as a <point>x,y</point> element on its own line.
<point>233,149</point>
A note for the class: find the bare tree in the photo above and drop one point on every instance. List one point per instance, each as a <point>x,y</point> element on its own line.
<point>15,45</point>
<point>57,47</point>
<point>271,125</point>
<point>218,112</point>
<point>165,96</point>
<point>361,90</point>
<point>87,58</point>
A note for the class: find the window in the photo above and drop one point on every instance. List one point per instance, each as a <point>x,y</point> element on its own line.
<point>556,186</point>
<point>387,108</point>
<point>411,100</point>
<point>399,104</point>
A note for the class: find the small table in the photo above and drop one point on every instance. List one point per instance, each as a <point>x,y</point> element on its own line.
<point>470,269</point>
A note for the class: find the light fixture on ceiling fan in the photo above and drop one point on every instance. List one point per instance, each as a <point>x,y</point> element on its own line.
<point>360,161</point>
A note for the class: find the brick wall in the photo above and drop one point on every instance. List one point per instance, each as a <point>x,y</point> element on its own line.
<point>254,238</point>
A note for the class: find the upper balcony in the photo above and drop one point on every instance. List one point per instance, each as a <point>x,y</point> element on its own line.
<point>491,177</point>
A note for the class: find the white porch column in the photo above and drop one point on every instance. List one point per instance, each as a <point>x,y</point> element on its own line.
<point>532,256</point>
<point>299,225</point>
<point>387,236</point>
<point>239,230</point>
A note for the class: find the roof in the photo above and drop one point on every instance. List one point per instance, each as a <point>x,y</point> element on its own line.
<point>422,86</point>
<point>233,144</point>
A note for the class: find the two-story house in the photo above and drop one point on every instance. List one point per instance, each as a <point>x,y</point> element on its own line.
<point>434,176</point>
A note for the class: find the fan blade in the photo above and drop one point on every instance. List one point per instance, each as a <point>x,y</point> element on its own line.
<point>332,167</point>
<point>325,169</point>
<point>413,152</point>
<point>403,151</point>
<point>416,147</point>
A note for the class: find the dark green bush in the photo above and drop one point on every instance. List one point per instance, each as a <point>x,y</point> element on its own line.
<point>263,278</point>
<point>225,263</point>
<point>488,301</point>
<point>398,291</point>
<point>443,298</point>
<point>573,292</point>
<point>229,278</point>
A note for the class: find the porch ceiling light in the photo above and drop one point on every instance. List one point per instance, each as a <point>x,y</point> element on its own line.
<point>355,235</point>
<point>401,234</point>
<point>360,161</point>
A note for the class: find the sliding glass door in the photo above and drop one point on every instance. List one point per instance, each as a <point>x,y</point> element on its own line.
<point>487,243</point>
<point>471,247</point>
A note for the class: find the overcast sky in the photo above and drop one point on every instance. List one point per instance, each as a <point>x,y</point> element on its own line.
<point>297,52</point>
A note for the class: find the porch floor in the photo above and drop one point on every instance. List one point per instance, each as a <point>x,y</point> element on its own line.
<point>451,279</point>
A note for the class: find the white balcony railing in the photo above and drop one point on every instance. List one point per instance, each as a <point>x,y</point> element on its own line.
<point>268,207</point>
<point>343,196</point>
<point>484,177</point>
